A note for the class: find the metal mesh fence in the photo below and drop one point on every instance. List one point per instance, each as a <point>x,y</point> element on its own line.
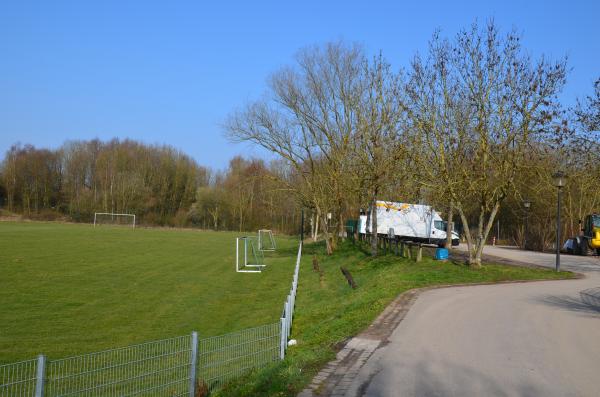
<point>222,358</point>
<point>160,368</point>
<point>18,379</point>
<point>168,367</point>
<point>287,315</point>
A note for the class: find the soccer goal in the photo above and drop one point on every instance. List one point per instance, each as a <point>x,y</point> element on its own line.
<point>114,219</point>
<point>247,258</point>
<point>266,242</point>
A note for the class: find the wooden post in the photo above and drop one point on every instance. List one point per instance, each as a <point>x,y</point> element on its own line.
<point>419,253</point>
<point>349,278</point>
<point>408,250</point>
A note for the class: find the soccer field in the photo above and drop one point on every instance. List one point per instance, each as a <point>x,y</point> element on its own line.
<point>68,289</point>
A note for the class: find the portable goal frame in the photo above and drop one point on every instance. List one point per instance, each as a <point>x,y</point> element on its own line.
<point>113,215</point>
<point>261,240</point>
<point>246,266</point>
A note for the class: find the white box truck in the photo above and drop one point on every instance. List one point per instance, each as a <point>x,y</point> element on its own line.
<point>409,222</point>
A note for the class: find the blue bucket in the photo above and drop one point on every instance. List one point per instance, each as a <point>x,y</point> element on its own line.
<point>441,254</point>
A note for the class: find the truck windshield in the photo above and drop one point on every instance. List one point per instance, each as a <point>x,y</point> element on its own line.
<point>596,220</point>
<point>440,225</point>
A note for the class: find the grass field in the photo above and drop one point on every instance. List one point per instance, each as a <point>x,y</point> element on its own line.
<point>68,289</point>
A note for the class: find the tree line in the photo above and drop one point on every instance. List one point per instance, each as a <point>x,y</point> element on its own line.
<point>159,184</point>
<point>474,126</point>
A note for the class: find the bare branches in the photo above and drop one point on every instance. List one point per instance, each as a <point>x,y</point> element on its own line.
<point>478,105</point>
<point>309,121</point>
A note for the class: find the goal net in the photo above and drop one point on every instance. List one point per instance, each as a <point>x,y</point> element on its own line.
<point>247,258</point>
<point>266,242</point>
<point>109,218</point>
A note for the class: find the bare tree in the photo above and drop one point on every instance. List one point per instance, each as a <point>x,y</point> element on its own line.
<point>582,159</point>
<point>379,146</point>
<point>477,105</point>
<point>587,112</point>
<point>308,120</point>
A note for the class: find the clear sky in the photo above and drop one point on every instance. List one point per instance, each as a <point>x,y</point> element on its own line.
<point>170,72</point>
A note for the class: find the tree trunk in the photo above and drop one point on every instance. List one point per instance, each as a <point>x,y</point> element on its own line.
<point>450,227</point>
<point>476,248</point>
<point>485,234</point>
<point>329,243</point>
<point>468,236</point>
<point>374,226</point>
<point>315,235</point>
<point>368,228</point>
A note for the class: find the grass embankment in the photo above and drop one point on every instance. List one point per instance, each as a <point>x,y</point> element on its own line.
<point>68,289</point>
<point>328,311</point>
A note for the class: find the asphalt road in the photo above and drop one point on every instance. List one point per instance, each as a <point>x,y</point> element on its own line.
<point>526,339</point>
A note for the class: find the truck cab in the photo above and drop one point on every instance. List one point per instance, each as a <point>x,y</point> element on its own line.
<point>591,232</point>
<point>439,232</point>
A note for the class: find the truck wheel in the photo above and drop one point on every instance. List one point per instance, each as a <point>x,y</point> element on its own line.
<point>598,251</point>
<point>583,247</point>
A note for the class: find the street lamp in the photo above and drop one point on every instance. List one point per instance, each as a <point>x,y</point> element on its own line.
<point>560,179</point>
<point>526,204</point>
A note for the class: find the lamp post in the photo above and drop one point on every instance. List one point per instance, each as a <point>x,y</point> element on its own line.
<point>526,205</point>
<point>560,179</point>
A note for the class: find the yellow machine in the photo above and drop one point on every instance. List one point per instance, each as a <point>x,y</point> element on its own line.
<point>590,240</point>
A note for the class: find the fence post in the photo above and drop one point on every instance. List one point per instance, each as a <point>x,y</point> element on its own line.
<point>282,342</point>
<point>193,363</point>
<point>292,298</point>
<point>40,376</point>
<point>289,315</point>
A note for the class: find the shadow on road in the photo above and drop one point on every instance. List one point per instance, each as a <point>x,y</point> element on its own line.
<point>587,303</point>
<point>591,297</point>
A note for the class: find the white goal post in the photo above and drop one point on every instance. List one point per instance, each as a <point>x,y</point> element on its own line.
<point>266,242</point>
<point>247,258</point>
<point>113,215</point>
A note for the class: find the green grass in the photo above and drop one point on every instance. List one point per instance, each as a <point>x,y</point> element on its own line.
<point>69,289</point>
<point>328,311</point>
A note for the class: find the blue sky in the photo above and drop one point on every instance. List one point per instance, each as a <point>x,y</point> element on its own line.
<point>170,72</point>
